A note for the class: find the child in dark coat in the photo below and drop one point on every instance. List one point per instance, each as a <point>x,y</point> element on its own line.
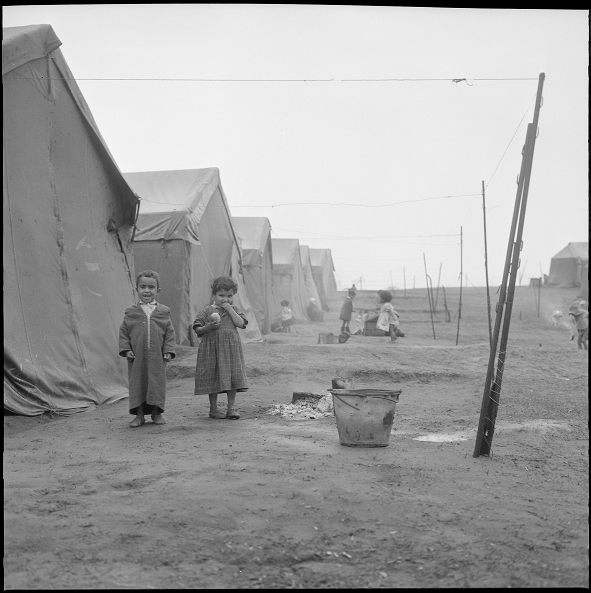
<point>347,311</point>
<point>146,339</point>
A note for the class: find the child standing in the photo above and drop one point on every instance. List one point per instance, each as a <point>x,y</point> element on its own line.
<point>347,311</point>
<point>220,361</point>
<point>286,317</point>
<point>581,321</point>
<point>388,317</point>
<point>146,339</point>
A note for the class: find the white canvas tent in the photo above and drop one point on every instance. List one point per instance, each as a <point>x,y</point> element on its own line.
<point>185,233</point>
<point>288,278</point>
<point>257,264</point>
<point>566,267</point>
<point>68,219</point>
<point>323,272</point>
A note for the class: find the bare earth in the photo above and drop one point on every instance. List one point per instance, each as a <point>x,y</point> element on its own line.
<point>265,502</point>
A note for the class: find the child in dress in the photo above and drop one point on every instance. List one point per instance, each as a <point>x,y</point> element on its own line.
<point>286,317</point>
<point>347,311</point>
<point>146,339</point>
<point>388,317</point>
<point>220,361</point>
<point>581,323</point>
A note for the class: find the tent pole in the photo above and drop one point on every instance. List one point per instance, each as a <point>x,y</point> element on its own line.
<point>490,401</point>
<point>486,269</point>
<point>461,275</point>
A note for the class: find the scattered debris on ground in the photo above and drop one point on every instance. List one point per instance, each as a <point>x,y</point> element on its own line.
<point>305,408</point>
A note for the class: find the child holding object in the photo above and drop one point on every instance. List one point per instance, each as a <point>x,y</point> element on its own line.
<point>146,339</point>
<point>220,360</point>
<point>347,311</point>
<point>388,317</point>
<point>286,316</point>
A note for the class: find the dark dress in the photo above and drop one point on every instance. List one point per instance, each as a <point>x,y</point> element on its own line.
<point>220,360</point>
<point>346,310</point>
<point>147,371</point>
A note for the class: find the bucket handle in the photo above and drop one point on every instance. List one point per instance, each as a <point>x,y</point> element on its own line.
<point>346,403</point>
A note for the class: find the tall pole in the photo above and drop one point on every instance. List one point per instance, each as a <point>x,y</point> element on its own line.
<point>437,293</point>
<point>461,276</point>
<point>486,269</point>
<point>404,274</point>
<point>427,278</point>
<point>492,389</point>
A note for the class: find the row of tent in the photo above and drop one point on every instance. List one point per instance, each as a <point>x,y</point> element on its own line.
<point>77,229</point>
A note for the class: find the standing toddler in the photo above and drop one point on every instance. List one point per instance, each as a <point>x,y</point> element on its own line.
<point>146,339</point>
<point>220,360</point>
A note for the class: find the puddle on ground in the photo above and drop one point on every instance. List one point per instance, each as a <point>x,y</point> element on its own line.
<point>451,437</point>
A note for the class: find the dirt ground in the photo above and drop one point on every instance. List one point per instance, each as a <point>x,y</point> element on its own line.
<point>265,502</point>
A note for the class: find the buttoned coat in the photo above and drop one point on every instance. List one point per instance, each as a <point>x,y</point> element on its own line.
<point>147,371</point>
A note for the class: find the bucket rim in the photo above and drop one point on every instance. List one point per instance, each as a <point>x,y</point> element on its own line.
<point>383,393</point>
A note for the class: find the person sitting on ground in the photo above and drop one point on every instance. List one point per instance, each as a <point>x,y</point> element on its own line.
<point>314,312</point>
<point>388,318</point>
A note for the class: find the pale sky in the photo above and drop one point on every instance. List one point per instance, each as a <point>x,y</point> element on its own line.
<point>297,108</point>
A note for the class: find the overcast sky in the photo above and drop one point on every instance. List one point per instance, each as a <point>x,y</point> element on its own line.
<point>295,108</point>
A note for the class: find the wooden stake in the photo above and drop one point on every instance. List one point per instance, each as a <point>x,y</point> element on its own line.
<point>461,276</point>
<point>429,296</point>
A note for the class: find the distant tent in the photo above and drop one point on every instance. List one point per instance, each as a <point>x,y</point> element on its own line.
<point>185,233</point>
<point>288,278</point>
<point>323,272</point>
<point>257,264</point>
<point>566,267</point>
<point>68,219</point>
<point>308,276</point>
<point>585,282</point>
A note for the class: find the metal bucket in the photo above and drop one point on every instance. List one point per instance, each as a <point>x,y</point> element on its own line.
<point>364,416</point>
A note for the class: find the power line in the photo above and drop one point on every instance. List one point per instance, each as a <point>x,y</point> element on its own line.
<point>510,141</point>
<point>360,205</point>
<point>455,80</point>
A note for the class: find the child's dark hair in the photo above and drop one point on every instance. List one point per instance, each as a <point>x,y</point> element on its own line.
<point>224,283</point>
<point>285,303</point>
<point>148,274</point>
<point>351,293</point>
<point>385,296</point>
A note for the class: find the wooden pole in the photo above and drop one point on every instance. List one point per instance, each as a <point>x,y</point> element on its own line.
<point>447,313</point>
<point>486,269</point>
<point>404,274</point>
<point>429,296</point>
<point>437,293</point>
<point>492,389</point>
<point>461,276</point>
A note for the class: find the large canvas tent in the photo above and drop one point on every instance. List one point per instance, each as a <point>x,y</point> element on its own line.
<point>257,264</point>
<point>323,272</point>
<point>68,217</point>
<point>185,233</point>
<point>288,278</point>
<point>566,267</point>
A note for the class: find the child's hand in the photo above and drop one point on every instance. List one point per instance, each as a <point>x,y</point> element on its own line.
<point>226,305</point>
<point>166,356</point>
<point>130,355</point>
<point>211,325</point>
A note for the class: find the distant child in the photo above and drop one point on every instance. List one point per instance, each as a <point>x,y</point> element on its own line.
<point>220,360</point>
<point>581,321</point>
<point>388,318</point>
<point>146,339</point>
<point>286,317</point>
<point>347,311</point>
